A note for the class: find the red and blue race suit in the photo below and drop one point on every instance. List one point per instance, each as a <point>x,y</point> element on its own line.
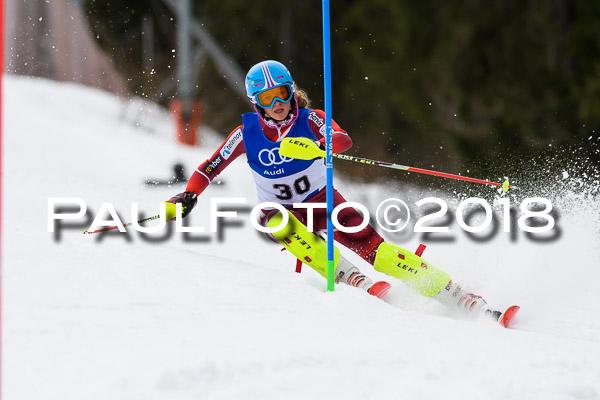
<point>286,181</point>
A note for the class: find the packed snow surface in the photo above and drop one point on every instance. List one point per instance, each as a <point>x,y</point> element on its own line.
<point>223,315</point>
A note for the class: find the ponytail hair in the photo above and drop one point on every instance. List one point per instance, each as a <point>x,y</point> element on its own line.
<point>302,98</point>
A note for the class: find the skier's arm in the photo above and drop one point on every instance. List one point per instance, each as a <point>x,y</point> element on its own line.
<point>231,149</point>
<point>339,138</point>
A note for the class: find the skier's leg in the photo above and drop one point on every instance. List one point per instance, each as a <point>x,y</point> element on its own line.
<point>394,261</point>
<point>428,280</point>
<point>410,268</point>
<point>306,246</point>
<point>311,249</point>
<point>363,243</point>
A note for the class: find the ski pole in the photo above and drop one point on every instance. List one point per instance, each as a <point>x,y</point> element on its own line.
<point>124,225</point>
<point>306,149</point>
<point>171,211</point>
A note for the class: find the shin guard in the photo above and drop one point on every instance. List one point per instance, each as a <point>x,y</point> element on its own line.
<point>306,246</point>
<point>410,268</point>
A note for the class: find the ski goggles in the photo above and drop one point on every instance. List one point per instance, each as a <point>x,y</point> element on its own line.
<point>268,98</point>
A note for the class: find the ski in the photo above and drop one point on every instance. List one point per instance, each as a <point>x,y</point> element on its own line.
<point>379,289</point>
<point>508,315</point>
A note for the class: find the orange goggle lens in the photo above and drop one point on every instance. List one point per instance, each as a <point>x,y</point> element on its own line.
<point>267,98</point>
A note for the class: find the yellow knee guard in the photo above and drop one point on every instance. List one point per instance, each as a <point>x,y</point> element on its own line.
<point>306,246</point>
<point>410,268</point>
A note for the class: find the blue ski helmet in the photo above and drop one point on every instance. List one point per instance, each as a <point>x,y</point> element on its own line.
<point>266,75</point>
<point>261,79</point>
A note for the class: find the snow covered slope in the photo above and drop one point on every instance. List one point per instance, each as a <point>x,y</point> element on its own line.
<point>127,316</point>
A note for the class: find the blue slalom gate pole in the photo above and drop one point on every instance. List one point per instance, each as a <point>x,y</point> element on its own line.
<point>328,145</point>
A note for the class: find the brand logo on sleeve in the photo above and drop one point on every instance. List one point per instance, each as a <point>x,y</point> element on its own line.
<point>234,140</point>
<point>316,119</point>
<point>212,165</point>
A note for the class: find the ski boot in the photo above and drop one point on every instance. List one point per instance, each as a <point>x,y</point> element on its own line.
<point>351,275</point>
<point>453,296</point>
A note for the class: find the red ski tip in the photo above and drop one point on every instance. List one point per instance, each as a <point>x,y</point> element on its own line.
<point>508,315</point>
<point>379,289</point>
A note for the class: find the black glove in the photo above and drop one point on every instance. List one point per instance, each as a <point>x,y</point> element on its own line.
<point>188,201</point>
<point>321,146</point>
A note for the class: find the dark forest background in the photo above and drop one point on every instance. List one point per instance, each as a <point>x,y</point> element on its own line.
<point>464,86</point>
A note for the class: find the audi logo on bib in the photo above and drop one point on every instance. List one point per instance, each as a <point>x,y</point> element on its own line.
<point>268,157</point>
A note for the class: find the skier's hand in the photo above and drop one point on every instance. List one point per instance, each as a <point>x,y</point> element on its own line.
<point>188,201</point>
<point>321,144</point>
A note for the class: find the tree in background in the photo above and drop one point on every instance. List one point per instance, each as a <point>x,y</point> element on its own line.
<point>439,84</point>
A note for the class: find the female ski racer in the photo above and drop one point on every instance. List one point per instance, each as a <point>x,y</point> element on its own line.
<point>282,110</point>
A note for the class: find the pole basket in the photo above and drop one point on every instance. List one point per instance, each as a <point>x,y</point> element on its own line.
<point>187,120</point>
